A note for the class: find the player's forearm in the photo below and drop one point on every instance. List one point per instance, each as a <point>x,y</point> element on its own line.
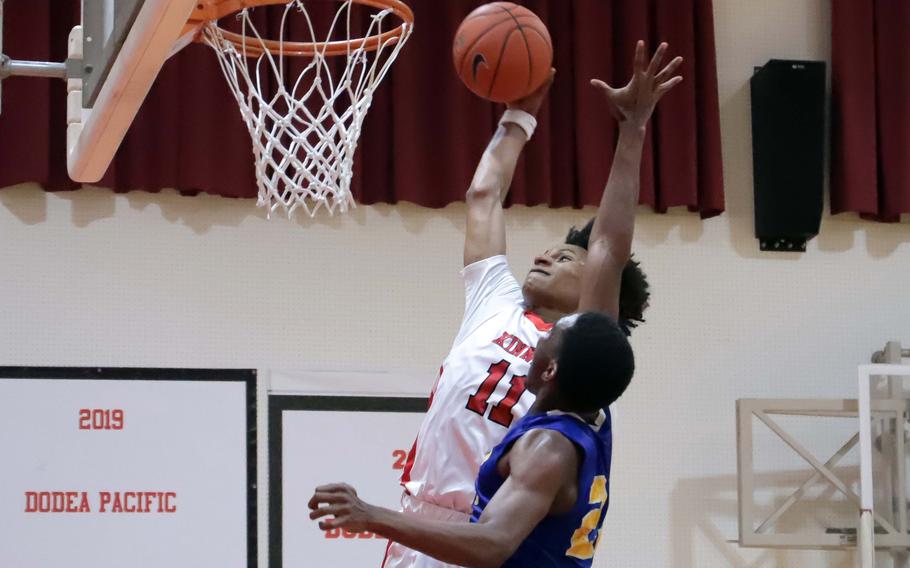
<point>615,220</point>
<point>497,165</point>
<point>464,544</point>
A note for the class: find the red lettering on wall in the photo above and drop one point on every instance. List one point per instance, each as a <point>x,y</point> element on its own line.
<point>104,498</point>
<point>336,534</point>
<point>101,419</point>
<point>56,502</point>
<point>168,506</point>
<point>137,502</point>
<point>401,457</point>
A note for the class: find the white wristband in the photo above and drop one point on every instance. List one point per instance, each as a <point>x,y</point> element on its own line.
<point>520,118</point>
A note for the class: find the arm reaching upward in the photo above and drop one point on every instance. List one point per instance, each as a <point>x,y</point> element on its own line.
<point>610,244</point>
<point>486,230</point>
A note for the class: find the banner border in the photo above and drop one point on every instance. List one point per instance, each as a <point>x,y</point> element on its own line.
<point>278,404</point>
<point>247,376</point>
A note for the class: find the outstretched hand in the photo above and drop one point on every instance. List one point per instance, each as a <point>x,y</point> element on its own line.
<point>340,501</point>
<point>635,102</point>
<point>531,103</point>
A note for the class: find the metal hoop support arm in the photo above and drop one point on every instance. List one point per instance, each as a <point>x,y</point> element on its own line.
<point>18,68</point>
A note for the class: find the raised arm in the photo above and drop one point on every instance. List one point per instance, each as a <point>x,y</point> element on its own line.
<point>610,244</point>
<point>485,235</point>
<point>541,464</point>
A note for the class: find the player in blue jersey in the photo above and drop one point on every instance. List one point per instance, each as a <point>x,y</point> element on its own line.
<point>542,492</point>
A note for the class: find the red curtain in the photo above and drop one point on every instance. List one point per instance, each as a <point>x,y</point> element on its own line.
<point>870,170</point>
<point>425,131</point>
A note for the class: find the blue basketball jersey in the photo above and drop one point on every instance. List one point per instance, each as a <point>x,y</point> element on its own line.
<point>566,540</point>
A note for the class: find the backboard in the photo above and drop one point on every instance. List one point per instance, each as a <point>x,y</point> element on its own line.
<point>122,45</point>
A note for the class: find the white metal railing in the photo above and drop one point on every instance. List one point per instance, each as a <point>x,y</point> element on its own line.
<point>885,363</point>
<point>883,416</point>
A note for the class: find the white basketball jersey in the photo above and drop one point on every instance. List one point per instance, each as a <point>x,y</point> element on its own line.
<point>481,388</point>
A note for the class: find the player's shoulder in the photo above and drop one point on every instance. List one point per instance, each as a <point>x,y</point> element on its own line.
<point>485,264</point>
<point>507,314</point>
<point>570,426</point>
<point>538,439</point>
<point>490,280</point>
<point>543,452</point>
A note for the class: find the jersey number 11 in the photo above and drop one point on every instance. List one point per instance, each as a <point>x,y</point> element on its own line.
<point>502,410</point>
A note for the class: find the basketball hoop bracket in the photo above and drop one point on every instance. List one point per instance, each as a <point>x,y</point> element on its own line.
<point>9,67</point>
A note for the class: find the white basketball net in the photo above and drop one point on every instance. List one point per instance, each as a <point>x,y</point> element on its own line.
<point>303,144</point>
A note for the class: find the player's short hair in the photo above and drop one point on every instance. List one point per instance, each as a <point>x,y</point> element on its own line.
<point>594,361</point>
<point>633,292</point>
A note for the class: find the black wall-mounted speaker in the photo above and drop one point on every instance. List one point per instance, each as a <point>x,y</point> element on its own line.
<point>788,140</point>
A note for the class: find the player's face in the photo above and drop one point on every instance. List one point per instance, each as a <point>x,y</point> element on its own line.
<point>543,355</point>
<point>554,282</point>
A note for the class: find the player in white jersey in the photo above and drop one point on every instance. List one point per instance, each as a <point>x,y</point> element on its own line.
<point>480,391</point>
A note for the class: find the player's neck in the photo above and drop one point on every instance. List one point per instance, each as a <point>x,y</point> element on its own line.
<point>542,407</point>
<point>553,400</point>
<point>547,402</point>
<point>548,315</point>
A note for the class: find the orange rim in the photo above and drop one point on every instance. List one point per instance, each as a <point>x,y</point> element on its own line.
<point>214,10</point>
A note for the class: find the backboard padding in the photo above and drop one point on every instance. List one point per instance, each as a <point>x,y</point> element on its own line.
<point>95,133</point>
<point>105,25</point>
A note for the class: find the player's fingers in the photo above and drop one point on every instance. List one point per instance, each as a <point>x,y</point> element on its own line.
<point>664,87</point>
<point>320,495</point>
<point>333,488</point>
<point>640,57</point>
<point>600,85</point>
<point>667,71</point>
<point>657,59</point>
<point>330,498</point>
<point>330,510</point>
<point>546,84</point>
<point>551,77</point>
<point>329,524</point>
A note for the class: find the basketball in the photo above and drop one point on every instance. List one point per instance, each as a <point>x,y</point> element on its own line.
<point>502,51</point>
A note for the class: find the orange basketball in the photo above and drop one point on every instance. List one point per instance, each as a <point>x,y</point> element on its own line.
<point>502,51</point>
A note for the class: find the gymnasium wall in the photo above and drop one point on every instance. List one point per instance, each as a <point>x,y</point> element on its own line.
<point>95,279</point>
